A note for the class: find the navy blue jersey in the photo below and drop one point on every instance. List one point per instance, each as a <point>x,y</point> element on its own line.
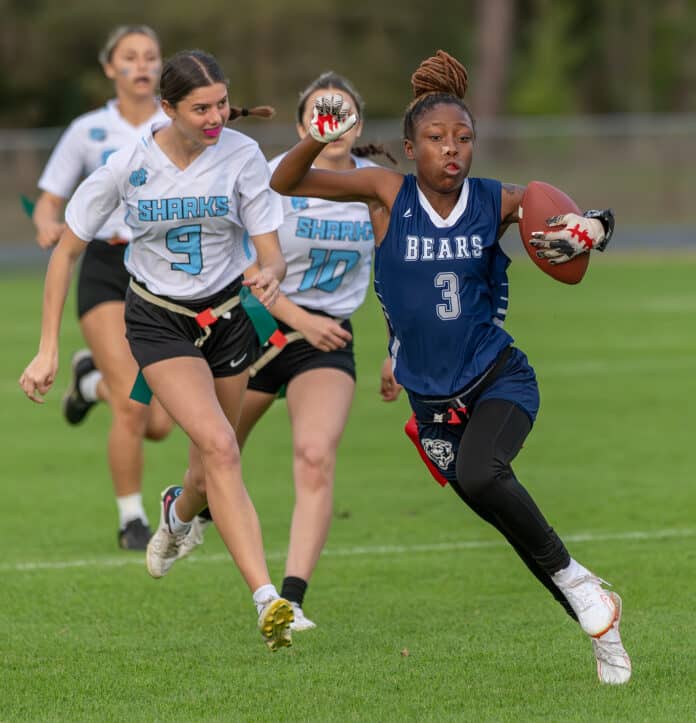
<point>443,286</point>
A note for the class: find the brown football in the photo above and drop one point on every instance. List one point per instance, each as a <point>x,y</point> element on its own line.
<point>539,202</point>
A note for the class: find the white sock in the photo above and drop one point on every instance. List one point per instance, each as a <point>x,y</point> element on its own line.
<point>263,595</point>
<point>88,385</point>
<point>130,507</point>
<point>567,575</point>
<point>177,525</point>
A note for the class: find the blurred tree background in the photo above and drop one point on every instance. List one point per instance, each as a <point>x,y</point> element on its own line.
<point>525,57</point>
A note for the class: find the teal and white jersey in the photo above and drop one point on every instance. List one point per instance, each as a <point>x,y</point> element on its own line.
<point>188,225</point>
<point>328,246</point>
<point>86,144</point>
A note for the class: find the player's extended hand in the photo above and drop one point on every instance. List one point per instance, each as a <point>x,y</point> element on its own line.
<point>265,282</point>
<point>579,236</point>
<point>324,333</point>
<point>389,388</point>
<point>331,118</point>
<point>39,376</point>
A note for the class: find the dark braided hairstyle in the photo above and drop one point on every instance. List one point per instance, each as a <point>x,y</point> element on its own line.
<point>333,81</point>
<point>438,79</point>
<point>188,70</point>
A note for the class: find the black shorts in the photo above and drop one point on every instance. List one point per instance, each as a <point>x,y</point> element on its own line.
<point>155,334</point>
<point>300,356</point>
<point>102,277</point>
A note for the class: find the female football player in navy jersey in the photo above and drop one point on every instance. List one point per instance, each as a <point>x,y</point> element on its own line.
<point>191,189</point>
<point>131,59</point>
<point>440,275</point>
<point>328,248</point>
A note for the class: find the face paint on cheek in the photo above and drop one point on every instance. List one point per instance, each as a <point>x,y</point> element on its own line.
<point>124,72</point>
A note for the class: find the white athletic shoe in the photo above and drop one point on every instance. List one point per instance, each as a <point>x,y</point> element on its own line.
<point>275,621</point>
<point>163,548</point>
<point>613,663</point>
<point>594,606</point>
<point>301,622</point>
<point>194,537</point>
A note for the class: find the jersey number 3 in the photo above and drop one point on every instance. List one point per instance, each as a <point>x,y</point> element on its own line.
<point>186,240</point>
<point>449,283</point>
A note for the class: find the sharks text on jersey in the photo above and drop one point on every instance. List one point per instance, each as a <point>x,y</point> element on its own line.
<point>325,230</point>
<point>168,209</point>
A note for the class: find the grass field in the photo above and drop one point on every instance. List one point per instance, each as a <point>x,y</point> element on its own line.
<point>423,614</point>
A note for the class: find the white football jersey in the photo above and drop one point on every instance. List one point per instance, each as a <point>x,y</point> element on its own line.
<point>86,144</point>
<point>328,246</point>
<point>188,225</point>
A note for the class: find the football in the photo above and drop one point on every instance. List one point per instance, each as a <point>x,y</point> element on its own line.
<point>539,202</point>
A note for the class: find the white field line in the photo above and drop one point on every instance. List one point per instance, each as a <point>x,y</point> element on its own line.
<point>369,550</point>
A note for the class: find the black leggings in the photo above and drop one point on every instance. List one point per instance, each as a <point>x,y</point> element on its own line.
<point>492,438</point>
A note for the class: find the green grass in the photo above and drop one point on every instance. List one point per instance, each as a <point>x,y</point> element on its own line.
<point>423,613</point>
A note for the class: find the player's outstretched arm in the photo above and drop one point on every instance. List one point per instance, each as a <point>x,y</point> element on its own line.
<point>40,374</point>
<point>294,175</point>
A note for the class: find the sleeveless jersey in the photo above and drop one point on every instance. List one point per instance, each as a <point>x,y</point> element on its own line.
<point>443,286</point>
<point>86,144</point>
<point>328,247</point>
<point>188,225</point>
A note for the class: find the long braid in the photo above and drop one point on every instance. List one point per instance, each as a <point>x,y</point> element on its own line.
<point>438,79</point>
<point>260,111</point>
<point>370,149</point>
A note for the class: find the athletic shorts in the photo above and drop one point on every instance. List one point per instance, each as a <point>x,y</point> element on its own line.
<point>441,422</point>
<point>300,356</point>
<point>155,334</point>
<point>102,276</point>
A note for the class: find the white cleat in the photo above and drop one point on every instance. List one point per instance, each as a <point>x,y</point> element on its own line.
<point>275,620</point>
<point>594,606</point>
<point>194,537</point>
<point>163,548</point>
<point>613,663</point>
<point>301,622</point>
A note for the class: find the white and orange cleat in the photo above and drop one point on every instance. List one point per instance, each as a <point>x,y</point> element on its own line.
<point>593,605</point>
<point>613,663</point>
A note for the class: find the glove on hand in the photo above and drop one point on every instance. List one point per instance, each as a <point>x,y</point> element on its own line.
<point>580,235</point>
<point>331,118</point>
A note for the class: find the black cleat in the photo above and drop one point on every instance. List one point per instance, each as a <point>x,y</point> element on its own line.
<point>134,536</point>
<point>75,406</point>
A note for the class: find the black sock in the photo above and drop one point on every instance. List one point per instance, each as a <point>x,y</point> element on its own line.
<point>294,589</point>
<point>205,514</point>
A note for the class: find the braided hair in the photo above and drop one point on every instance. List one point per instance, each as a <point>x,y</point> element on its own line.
<point>438,79</point>
<point>188,70</point>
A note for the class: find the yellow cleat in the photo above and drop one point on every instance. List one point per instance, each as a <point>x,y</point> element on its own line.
<point>274,623</point>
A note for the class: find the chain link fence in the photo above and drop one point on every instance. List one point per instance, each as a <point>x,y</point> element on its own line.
<point>643,166</point>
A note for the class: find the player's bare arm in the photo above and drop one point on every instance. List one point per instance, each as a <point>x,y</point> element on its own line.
<point>511,197</point>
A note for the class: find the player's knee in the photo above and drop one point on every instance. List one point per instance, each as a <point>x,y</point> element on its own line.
<point>158,428</point>
<point>219,449</point>
<point>477,476</point>
<point>130,415</point>
<point>314,463</point>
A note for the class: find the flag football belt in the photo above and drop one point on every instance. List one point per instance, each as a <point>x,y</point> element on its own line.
<point>272,352</point>
<point>456,411</point>
<point>264,325</point>
<point>203,318</point>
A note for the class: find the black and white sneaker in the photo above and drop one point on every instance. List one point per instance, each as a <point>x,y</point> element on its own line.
<point>75,406</point>
<point>134,536</point>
